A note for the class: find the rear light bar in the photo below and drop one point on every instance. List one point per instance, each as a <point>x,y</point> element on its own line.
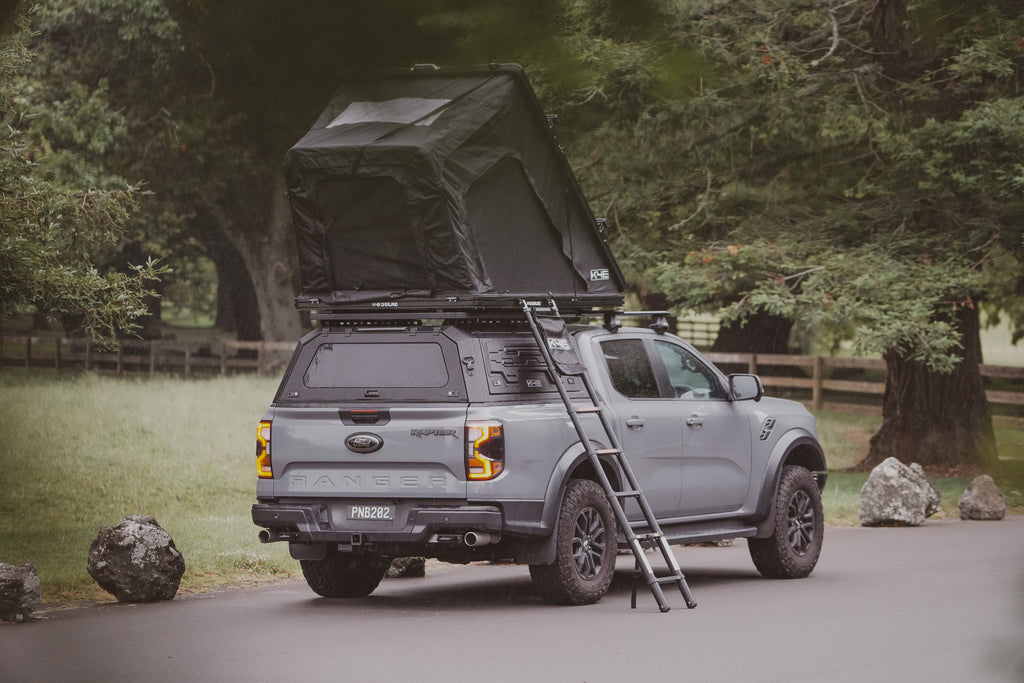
<point>264,468</point>
<point>485,450</point>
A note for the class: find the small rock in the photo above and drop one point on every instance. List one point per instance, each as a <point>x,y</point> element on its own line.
<point>407,568</point>
<point>136,561</point>
<point>982,500</point>
<point>20,591</point>
<point>897,494</point>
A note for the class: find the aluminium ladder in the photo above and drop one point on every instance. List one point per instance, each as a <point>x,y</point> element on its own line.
<point>637,542</point>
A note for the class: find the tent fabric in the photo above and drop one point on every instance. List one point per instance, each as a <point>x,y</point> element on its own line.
<point>441,185</point>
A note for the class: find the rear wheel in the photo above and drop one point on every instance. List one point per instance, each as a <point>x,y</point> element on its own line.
<point>344,575</point>
<point>792,551</point>
<point>584,550</point>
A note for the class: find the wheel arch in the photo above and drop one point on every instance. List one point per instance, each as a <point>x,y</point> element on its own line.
<point>574,463</point>
<point>796,448</point>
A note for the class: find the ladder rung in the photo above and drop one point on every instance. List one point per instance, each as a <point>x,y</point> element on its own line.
<point>588,409</point>
<point>608,451</point>
<point>628,494</point>
<point>669,579</point>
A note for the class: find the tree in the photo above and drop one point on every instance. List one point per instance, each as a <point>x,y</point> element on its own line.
<point>51,228</point>
<point>852,166</point>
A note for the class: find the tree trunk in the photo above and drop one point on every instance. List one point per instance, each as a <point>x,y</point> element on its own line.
<point>938,421</point>
<point>237,310</point>
<point>267,247</point>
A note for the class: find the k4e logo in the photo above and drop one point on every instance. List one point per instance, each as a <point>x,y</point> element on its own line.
<point>558,344</point>
<point>599,274</point>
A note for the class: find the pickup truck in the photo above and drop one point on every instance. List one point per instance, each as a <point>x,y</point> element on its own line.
<point>448,439</point>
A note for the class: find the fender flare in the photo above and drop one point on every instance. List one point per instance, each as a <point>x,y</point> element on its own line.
<point>795,447</point>
<point>571,460</point>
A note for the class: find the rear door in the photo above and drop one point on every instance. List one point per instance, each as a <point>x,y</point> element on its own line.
<point>372,415</point>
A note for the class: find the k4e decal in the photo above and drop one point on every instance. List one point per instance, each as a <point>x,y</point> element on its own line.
<point>598,274</point>
<point>767,428</point>
<point>556,344</point>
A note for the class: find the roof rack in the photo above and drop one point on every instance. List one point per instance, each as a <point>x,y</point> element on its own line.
<point>399,307</point>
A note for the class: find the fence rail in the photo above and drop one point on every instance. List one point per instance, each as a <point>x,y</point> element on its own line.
<point>856,385</point>
<point>853,385</point>
<point>138,357</point>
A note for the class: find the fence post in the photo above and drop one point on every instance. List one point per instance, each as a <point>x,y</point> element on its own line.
<point>259,359</point>
<point>120,351</point>
<point>88,350</point>
<point>817,379</point>
<point>56,352</point>
<point>152,359</point>
<point>28,351</point>
<point>188,361</point>
<point>223,358</point>
<point>752,364</point>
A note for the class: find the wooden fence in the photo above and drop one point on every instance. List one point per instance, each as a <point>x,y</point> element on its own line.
<point>853,385</point>
<point>138,357</point>
<point>856,385</point>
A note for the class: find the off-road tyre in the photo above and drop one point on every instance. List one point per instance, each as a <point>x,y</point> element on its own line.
<point>344,575</point>
<point>585,548</point>
<point>792,551</point>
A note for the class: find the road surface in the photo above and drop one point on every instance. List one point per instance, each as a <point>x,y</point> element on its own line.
<point>940,602</point>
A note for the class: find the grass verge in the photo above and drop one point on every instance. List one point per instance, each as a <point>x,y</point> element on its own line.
<point>79,452</point>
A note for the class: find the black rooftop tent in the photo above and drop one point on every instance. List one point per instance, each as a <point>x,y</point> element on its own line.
<point>432,185</point>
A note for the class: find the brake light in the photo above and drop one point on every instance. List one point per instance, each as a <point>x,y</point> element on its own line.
<point>485,450</point>
<point>264,468</point>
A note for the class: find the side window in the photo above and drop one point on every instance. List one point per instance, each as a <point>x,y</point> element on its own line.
<point>689,375</point>
<point>630,368</point>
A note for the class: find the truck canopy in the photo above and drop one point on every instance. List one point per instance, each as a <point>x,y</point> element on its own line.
<point>432,185</point>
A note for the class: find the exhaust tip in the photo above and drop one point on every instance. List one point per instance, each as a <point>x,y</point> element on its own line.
<point>264,536</point>
<point>478,538</point>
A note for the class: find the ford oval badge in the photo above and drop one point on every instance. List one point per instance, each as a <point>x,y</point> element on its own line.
<point>364,442</point>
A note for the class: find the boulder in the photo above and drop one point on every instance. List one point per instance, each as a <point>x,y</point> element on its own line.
<point>897,494</point>
<point>20,591</point>
<point>136,561</point>
<point>407,568</point>
<point>982,500</point>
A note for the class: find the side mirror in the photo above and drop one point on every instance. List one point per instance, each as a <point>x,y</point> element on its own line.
<point>746,387</point>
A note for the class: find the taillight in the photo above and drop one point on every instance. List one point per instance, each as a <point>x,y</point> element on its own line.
<point>264,468</point>
<point>485,450</point>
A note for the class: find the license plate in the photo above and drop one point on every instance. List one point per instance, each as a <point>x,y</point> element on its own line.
<point>384,513</point>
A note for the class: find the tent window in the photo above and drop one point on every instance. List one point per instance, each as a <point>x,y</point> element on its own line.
<point>415,110</point>
<point>370,235</point>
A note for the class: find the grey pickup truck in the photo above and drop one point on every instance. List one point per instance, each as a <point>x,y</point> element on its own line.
<point>450,441</point>
<point>420,417</point>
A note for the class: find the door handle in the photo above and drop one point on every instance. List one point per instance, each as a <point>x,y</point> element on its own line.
<point>695,421</point>
<point>635,423</point>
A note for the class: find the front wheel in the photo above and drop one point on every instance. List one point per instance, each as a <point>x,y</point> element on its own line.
<point>792,551</point>
<point>584,550</point>
<point>344,575</point>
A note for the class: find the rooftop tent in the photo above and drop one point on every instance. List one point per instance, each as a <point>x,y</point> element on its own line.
<point>429,185</point>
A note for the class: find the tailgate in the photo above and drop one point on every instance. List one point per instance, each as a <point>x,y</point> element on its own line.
<point>410,451</point>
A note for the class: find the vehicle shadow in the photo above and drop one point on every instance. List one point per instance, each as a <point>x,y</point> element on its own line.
<point>485,587</point>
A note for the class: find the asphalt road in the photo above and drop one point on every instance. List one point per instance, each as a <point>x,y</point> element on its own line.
<point>940,602</point>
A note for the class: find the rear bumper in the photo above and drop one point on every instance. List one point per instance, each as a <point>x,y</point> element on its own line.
<point>312,523</point>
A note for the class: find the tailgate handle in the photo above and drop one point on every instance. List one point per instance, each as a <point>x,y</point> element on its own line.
<point>365,416</point>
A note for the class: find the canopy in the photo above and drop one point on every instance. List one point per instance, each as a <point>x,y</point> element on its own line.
<point>427,185</point>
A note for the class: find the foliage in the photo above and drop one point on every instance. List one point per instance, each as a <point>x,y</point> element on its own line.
<point>53,223</point>
<point>802,166</point>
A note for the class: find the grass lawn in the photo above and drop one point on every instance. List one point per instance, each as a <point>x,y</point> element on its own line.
<point>79,452</point>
